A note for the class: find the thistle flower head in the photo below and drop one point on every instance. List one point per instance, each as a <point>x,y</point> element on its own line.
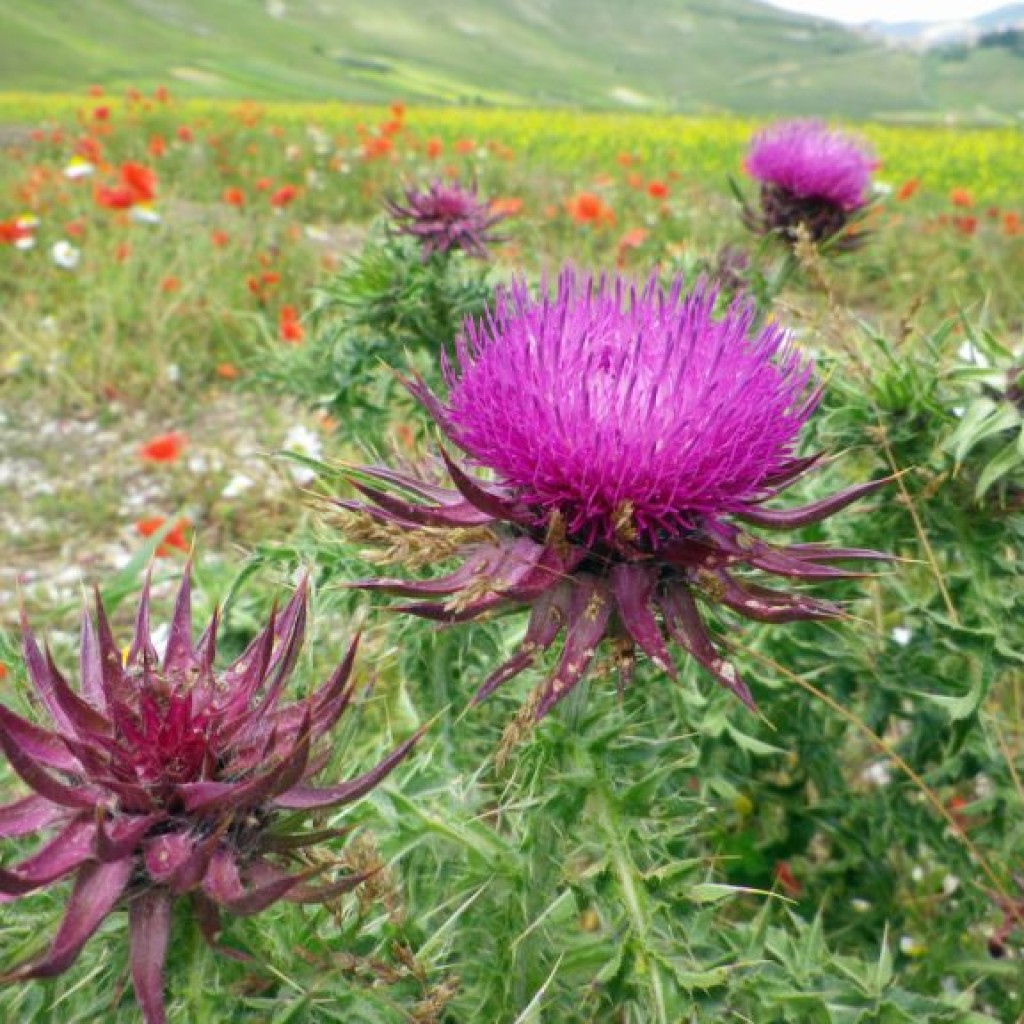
<point>808,161</point>
<point>624,431</point>
<point>625,412</point>
<point>165,777</point>
<point>809,175</point>
<point>443,217</point>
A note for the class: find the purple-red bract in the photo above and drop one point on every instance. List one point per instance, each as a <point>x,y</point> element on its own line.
<point>445,217</point>
<point>164,778</point>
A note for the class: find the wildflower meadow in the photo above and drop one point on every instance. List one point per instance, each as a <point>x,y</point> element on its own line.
<point>468,566</point>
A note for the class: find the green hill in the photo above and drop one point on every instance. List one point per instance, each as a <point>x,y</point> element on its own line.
<point>681,55</point>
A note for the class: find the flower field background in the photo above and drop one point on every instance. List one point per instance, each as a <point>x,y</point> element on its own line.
<point>203,317</point>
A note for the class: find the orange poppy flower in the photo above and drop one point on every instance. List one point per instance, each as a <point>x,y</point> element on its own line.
<point>961,197</point>
<point>226,371</point>
<point>433,148</point>
<point>233,196</point>
<point>631,239</point>
<point>1011,225</point>
<point>219,238</point>
<point>156,146</point>
<point>163,448</point>
<point>506,207</point>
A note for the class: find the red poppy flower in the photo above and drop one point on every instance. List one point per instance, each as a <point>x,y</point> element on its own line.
<point>174,538</point>
<point>588,208</point>
<point>966,225</point>
<point>961,197</point>
<point>376,146</point>
<point>139,180</point>
<point>433,148</point>
<point>11,231</point>
<point>657,189</point>
<point>163,448</point>
<point>907,189</point>
<point>289,330</point>
<point>283,196</point>
<point>156,146</point>
<point>226,371</point>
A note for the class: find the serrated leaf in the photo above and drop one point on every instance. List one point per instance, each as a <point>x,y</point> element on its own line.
<point>751,744</point>
<point>1004,462</point>
<point>959,708</point>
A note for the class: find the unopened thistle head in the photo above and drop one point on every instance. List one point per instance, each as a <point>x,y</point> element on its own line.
<point>629,435</point>
<point>809,176</point>
<point>165,778</point>
<point>444,217</point>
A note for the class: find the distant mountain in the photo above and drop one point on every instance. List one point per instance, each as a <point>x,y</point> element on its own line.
<point>662,55</point>
<point>934,33</point>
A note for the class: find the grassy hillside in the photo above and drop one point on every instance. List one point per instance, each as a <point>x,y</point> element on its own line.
<point>684,55</point>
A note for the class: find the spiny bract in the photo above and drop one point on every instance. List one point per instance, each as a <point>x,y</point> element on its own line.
<point>164,777</point>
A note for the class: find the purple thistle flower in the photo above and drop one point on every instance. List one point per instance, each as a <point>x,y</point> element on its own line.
<point>445,217</point>
<point>165,778</point>
<point>809,175</point>
<point>624,431</point>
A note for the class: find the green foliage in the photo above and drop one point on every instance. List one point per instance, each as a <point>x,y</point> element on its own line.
<point>682,55</point>
<point>385,311</point>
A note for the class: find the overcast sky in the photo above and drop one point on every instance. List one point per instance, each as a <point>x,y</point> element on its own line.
<point>891,10</point>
